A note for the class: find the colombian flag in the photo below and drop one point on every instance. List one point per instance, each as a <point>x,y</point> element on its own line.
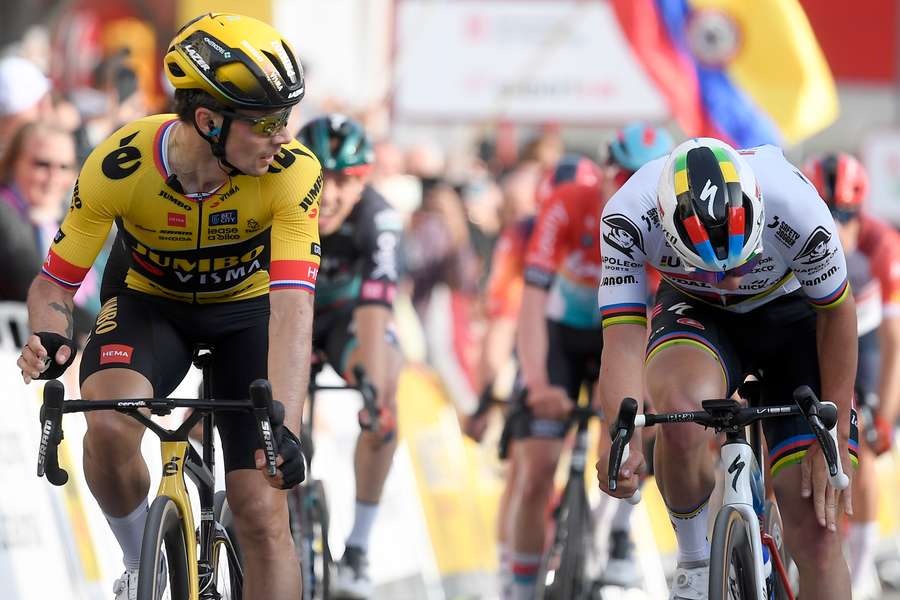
<point>747,72</point>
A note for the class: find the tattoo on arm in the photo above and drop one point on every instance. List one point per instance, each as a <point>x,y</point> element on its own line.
<point>67,313</point>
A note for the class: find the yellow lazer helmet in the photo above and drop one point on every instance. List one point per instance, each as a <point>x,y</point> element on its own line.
<point>240,61</point>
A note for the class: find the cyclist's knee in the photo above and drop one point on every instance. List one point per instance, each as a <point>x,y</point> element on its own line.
<point>811,545</point>
<point>534,475</point>
<point>260,516</point>
<point>110,434</point>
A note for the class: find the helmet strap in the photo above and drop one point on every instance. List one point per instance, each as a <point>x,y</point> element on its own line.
<point>216,140</point>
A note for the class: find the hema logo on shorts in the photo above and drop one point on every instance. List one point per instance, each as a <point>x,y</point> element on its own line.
<point>115,353</point>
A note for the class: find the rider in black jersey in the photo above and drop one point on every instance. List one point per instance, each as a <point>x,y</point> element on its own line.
<point>353,312</point>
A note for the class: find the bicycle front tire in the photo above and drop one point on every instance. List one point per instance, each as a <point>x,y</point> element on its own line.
<point>163,539</point>
<point>562,573</point>
<point>731,572</point>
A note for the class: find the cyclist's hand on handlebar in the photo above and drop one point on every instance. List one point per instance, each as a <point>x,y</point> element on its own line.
<point>291,461</point>
<point>827,501</point>
<point>630,472</point>
<point>33,361</point>
<point>549,402</point>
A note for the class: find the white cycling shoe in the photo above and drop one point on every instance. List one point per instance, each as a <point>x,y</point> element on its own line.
<point>126,586</point>
<point>351,578</point>
<point>691,581</point>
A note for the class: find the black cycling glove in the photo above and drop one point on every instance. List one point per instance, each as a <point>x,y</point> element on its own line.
<point>293,469</point>
<point>52,342</point>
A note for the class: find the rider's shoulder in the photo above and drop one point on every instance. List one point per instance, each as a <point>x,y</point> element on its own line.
<point>296,167</point>
<point>374,208</point>
<point>126,151</point>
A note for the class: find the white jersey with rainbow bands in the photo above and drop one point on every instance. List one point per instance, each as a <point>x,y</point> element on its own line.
<point>801,249</point>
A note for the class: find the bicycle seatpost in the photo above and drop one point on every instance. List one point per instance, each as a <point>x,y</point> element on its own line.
<point>52,434</point>
<point>618,452</point>
<point>261,396</point>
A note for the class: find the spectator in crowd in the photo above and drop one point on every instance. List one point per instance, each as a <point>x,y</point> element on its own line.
<point>425,161</point>
<point>402,190</point>
<point>36,173</point>
<point>24,96</point>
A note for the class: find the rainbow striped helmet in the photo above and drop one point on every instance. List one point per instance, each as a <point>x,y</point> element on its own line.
<point>711,206</point>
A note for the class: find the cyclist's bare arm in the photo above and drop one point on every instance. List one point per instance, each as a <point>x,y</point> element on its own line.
<point>372,321</point>
<point>889,386</point>
<point>837,343</point>
<point>621,376</point>
<point>531,337</point>
<point>290,335</point>
<point>50,308</point>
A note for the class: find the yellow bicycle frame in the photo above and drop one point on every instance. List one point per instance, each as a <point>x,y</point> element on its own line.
<point>172,486</point>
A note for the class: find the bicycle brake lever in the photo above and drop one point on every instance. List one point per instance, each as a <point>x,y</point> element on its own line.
<point>816,414</point>
<point>619,449</point>
<point>263,409</point>
<point>52,434</point>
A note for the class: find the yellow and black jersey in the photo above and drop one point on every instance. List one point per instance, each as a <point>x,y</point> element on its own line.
<point>252,235</point>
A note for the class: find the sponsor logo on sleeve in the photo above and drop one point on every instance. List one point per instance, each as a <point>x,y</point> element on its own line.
<point>224,217</point>
<point>115,353</point>
<point>623,235</point>
<point>816,248</point>
<point>177,220</point>
<point>59,236</point>
<point>315,249</point>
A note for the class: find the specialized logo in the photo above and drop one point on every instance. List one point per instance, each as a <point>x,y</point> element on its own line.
<point>177,220</point>
<point>815,249</point>
<point>691,323</point>
<point>225,217</point>
<point>623,235</point>
<point>115,353</point>
<point>680,308</point>
<point>737,466</point>
<point>709,195</point>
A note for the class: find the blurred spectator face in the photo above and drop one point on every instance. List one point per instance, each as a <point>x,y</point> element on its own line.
<point>340,194</point>
<point>388,160</point>
<point>848,231</point>
<point>484,200</point>
<point>44,166</point>
<point>24,95</point>
<point>425,161</point>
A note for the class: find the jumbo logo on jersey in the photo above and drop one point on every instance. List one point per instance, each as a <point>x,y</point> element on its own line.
<point>623,235</point>
<point>815,249</point>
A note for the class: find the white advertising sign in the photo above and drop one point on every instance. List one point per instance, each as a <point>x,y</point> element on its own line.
<point>881,155</point>
<point>535,60</point>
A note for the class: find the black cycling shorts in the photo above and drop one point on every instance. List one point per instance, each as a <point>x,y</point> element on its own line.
<point>776,341</point>
<point>156,338</point>
<point>573,360</point>
<point>335,336</point>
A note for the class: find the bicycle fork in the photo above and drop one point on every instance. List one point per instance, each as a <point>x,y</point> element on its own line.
<point>745,492</point>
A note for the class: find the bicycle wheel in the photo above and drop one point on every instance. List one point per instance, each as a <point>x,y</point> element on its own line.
<point>309,527</point>
<point>731,573</point>
<point>228,572</point>
<point>164,562</point>
<point>775,528</point>
<point>562,574</point>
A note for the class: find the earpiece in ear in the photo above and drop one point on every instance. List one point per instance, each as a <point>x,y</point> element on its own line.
<point>213,130</point>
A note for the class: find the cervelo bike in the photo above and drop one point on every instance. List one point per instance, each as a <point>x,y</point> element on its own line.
<point>307,503</point>
<point>177,561</point>
<point>743,548</point>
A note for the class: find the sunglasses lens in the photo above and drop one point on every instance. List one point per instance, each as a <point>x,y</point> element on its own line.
<point>272,124</point>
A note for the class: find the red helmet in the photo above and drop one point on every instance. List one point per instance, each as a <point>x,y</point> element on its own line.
<point>840,179</point>
<point>571,168</point>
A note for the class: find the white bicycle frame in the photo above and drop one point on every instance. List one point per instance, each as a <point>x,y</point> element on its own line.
<point>743,486</point>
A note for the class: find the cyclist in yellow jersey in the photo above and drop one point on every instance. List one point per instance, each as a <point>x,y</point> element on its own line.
<point>215,207</point>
